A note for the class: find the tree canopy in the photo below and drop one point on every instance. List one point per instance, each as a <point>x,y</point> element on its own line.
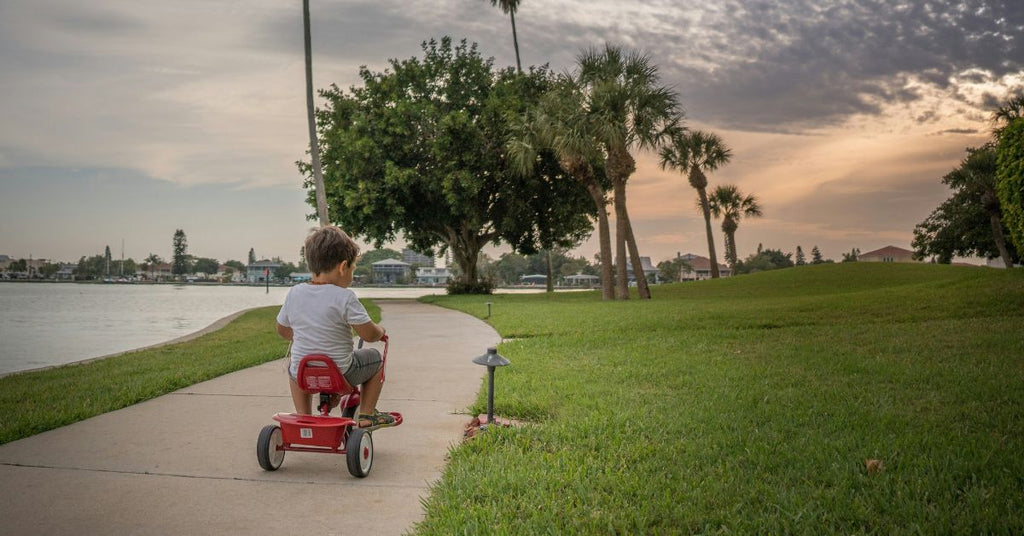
<point>1010,177</point>
<point>419,151</point>
<point>969,222</point>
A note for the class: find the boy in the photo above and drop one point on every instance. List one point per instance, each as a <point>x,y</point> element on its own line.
<point>318,317</point>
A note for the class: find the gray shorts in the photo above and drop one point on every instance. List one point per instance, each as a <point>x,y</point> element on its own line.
<point>365,363</point>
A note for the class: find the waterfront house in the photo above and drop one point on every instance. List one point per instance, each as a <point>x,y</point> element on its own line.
<point>533,279</point>
<point>259,271</point>
<point>650,271</point>
<point>300,277</point>
<point>433,276</point>
<point>582,280</point>
<point>390,272</point>
<point>66,271</point>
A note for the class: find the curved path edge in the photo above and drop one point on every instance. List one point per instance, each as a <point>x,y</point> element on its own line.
<point>184,463</point>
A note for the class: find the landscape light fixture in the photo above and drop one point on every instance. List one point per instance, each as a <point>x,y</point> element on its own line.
<point>491,360</point>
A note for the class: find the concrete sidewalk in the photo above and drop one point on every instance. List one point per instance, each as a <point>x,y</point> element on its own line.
<point>185,463</point>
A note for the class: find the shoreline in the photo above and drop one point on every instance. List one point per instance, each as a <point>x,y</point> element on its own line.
<point>214,326</point>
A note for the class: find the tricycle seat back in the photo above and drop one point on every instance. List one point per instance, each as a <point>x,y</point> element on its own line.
<point>319,374</point>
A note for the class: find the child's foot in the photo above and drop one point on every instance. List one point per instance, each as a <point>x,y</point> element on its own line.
<point>377,419</point>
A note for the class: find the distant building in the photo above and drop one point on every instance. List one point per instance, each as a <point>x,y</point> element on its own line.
<point>301,277</point>
<point>390,272</point>
<point>534,279</point>
<point>650,271</point>
<point>66,271</point>
<point>5,261</point>
<point>433,276</point>
<point>700,268</point>
<point>159,270</point>
<point>582,280</point>
<point>418,259</point>
<point>259,271</point>
<point>888,254</point>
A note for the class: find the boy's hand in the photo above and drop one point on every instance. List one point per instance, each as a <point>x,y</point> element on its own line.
<point>370,332</point>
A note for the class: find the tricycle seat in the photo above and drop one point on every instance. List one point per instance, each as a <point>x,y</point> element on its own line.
<point>319,374</point>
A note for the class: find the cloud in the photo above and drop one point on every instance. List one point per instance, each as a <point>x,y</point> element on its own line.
<point>959,131</point>
<point>799,64</point>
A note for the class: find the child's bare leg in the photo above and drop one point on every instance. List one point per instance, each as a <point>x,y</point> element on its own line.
<point>370,394</point>
<point>301,399</point>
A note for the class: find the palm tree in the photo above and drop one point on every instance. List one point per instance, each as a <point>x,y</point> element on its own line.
<point>1010,111</point>
<point>560,124</point>
<point>728,203</point>
<point>629,110</point>
<point>510,7</point>
<point>314,147</point>
<point>695,152</point>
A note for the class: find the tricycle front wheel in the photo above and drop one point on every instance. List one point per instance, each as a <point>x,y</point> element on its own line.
<point>268,447</point>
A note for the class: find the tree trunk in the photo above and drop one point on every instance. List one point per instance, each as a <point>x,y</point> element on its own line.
<point>604,239</point>
<point>314,146</point>
<point>515,40</point>
<point>730,246</point>
<point>729,227</point>
<point>638,267</point>
<point>550,275</point>
<point>466,260</point>
<point>707,226</point>
<point>997,233</point>
<point>621,276</point>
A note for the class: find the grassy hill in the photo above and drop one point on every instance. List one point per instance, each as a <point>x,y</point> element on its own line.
<point>751,405</point>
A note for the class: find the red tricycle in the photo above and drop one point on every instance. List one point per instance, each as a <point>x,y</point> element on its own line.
<point>318,374</point>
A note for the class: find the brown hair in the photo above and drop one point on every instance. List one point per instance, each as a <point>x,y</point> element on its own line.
<point>327,247</point>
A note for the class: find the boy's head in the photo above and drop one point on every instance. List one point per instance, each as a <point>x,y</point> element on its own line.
<point>327,247</point>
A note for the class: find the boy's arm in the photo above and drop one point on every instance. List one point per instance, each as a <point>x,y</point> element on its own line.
<point>369,331</point>
<point>285,332</point>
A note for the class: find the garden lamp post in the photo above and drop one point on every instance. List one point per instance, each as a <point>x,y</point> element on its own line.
<point>488,309</point>
<point>491,360</point>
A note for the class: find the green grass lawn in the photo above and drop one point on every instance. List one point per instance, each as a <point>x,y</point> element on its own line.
<point>36,401</point>
<point>750,404</point>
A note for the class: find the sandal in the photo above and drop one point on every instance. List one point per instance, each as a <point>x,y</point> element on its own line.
<point>377,419</point>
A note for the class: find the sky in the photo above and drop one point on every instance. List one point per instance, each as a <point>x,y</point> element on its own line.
<point>122,121</point>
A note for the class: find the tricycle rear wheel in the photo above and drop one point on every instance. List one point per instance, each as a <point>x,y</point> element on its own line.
<point>359,452</point>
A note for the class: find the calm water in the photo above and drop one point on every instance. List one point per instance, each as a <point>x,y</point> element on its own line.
<point>52,324</point>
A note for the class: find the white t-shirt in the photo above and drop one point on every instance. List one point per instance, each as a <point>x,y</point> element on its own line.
<point>321,317</point>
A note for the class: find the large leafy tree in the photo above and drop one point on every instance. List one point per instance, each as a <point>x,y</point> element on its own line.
<point>1010,179</point>
<point>630,110</point>
<point>560,124</point>
<point>694,152</point>
<point>970,221</point>
<point>419,150</point>
<point>729,204</point>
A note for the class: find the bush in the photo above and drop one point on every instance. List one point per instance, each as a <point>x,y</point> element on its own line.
<point>483,286</point>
